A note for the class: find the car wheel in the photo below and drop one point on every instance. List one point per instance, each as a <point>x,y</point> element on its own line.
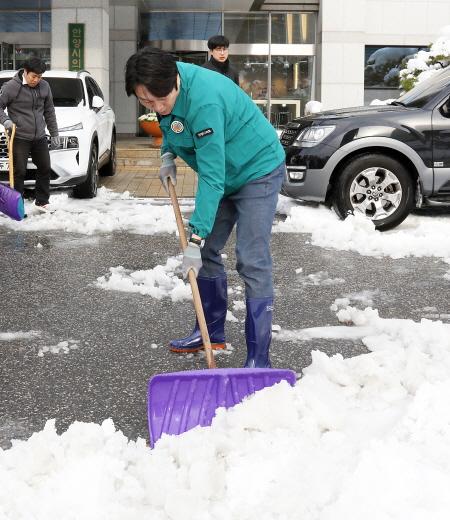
<point>110,167</point>
<point>377,186</point>
<point>88,189</point>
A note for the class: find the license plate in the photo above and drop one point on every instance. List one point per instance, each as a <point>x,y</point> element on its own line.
<point>4,166</point>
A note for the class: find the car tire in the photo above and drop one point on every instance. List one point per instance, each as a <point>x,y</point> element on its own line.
<point>376,185</point>
<point>110,167</point>
<point>88,189</point>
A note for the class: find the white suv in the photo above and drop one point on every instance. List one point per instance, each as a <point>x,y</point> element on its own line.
<point>87,129</point>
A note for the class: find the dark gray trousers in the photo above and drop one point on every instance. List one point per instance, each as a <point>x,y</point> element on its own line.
<point>41,157</point>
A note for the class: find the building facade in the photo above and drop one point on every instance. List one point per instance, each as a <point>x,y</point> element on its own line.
<point>340,52</point>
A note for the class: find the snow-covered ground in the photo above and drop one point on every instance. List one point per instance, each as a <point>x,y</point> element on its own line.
<point>417,236</point>
<point>108,212</point>
<point>366,437</point>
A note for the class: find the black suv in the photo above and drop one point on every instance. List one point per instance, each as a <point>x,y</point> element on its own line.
<point>379,160</point>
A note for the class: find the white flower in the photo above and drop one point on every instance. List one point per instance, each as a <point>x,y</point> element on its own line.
<point>150,116</point>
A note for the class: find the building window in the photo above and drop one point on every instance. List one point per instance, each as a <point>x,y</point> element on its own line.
<point>291,78</point>
<point>293,28</point>
<point>382,66</point>
<point>22,54</point>
<point>25,21</point>
<point>246,28</point>
<point>12,56</point>
<point>46,22</point>
<point>180,26</point>
<point>19,22</point>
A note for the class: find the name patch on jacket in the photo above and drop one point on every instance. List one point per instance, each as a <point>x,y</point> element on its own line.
<point>206,131</point>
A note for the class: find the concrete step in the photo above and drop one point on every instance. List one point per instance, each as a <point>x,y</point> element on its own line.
<point>132,161</point>
<point>150,161</point>
<point>138,152</point>
<point>125,168</point>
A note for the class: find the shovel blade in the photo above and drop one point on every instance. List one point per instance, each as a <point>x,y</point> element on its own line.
<point>11,203</point>
<point>180,401</point>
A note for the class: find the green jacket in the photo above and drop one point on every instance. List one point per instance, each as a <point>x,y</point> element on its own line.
<point>222,135</point>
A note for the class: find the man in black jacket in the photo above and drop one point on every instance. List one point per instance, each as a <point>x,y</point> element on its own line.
<point>29,101</point>
<point>219,62</point>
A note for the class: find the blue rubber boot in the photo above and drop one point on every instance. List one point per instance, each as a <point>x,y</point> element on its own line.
<point>213,293</point>
<point>258,332</point>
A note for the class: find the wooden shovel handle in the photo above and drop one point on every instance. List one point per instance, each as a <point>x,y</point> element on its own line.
<point>192,280</point>
<point>9,143</point>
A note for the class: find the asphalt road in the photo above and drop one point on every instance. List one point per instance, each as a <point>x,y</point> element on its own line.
<point>51,289</point>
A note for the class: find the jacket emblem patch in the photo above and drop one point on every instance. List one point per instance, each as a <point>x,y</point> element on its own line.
<point>206,131</point>
<point>177,126</point>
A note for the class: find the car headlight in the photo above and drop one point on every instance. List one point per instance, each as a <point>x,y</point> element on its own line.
<point>66,142</point>
<point>78,126</point>
<point>70,142</point>
<point>313,135</point>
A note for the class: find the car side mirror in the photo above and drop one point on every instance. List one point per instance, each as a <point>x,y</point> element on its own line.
<point>97,102</point>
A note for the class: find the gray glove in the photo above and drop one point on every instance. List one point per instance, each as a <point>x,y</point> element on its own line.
<point>192,259</point>
<point>8,124</point>
<point>168,170</point>
<point>55,142</point>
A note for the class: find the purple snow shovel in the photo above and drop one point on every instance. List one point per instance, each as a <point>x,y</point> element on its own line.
<point>180,401</point>
<point>11,201</point>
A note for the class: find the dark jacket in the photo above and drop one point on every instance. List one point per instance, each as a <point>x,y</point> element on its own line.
<point>223,68</point>
<point>29,108</point>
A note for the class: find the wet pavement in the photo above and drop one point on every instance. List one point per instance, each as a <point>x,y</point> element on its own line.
<point>47,283</point>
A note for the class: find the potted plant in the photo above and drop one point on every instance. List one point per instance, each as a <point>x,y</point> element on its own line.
<point>150,124</point>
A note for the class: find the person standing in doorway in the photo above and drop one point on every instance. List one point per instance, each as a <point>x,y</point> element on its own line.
<point>214,126</point>
<point>29,101</point>
<point>219,61</point>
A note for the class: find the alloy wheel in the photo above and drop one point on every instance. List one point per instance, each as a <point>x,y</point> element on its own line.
<point>376,193</point>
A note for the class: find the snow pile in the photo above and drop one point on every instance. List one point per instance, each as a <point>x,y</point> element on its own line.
<point>320,278</point>
<point>239,305</point>
<point>417,236</point>
<point>13,336</point>
<point>313,107</point>
<point>159,282</point>
<point>365,437</point>
<point>108,212</point>
<point>426,63</point>
<point>364,297</point>
<point>231,317</point>
<point>382,101</point>
<point>63,347</point>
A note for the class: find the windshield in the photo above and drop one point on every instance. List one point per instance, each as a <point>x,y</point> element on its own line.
<point>426,90</point>
<point>67,92</point>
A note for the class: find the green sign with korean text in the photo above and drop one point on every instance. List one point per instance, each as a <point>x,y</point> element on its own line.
<point>76,46</point>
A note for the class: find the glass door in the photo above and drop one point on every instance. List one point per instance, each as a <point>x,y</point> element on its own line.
<point>6,56</point>
<point>292,79</point>
<point>274,55</point>
<point>196,57</point>
<point>24,53</point>
<point>253,77</point>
